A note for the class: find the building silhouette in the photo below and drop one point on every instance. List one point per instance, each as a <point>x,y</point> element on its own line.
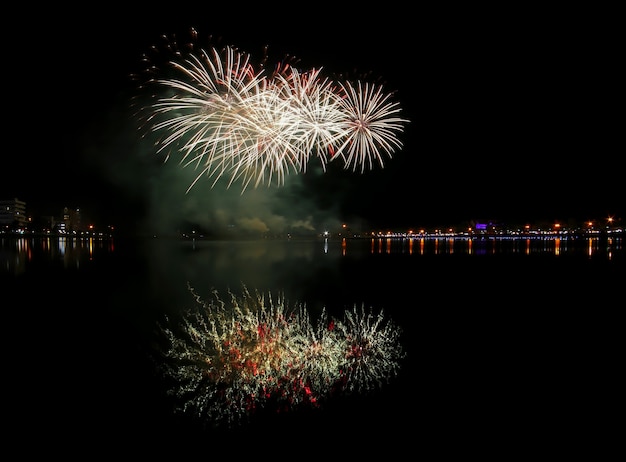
<point>13,215</point>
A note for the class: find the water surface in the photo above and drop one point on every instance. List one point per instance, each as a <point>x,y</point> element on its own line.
<point>513,341</point>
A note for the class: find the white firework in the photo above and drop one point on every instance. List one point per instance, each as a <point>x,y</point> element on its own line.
<point>227,118</point>
<point>317,113</point>
<point>371,124</point>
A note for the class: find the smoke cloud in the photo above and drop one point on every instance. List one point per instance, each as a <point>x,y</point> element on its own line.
<point>149,190</point>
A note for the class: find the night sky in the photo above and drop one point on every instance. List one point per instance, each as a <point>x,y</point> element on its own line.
<point>514,115</point>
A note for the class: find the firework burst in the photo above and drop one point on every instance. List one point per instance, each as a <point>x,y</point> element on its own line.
<point>370,125</point>
<point>226,117</point>
<point>224,361</point>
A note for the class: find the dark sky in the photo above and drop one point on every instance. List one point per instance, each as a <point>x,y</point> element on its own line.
<point>514,114</point>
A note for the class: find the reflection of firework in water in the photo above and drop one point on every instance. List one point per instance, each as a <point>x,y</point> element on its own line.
<point>226,361</point>
<point>227,117</point>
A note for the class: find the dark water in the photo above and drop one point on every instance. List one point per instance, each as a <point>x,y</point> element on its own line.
<point>514,347</point>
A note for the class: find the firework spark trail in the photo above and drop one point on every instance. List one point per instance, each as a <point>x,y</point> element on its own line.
<point>268,127</point>
<point>212,111</point>
<point>317,113</point>
<point>227,118</point>
<point>226,361</point>
<point>369,125</point>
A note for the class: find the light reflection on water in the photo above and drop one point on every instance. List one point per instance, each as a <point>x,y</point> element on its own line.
<point>17,254</point>
<point>591,246</point>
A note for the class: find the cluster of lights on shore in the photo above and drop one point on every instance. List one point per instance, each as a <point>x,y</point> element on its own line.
<point>588,228</point>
